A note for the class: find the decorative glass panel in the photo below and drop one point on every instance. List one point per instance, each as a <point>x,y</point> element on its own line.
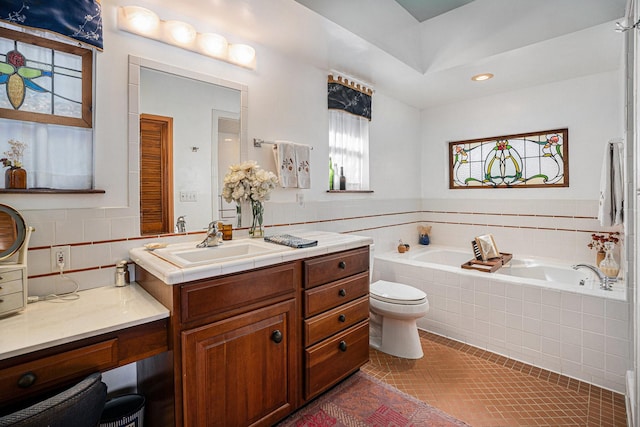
<point>44,81</point>
<point>527,160</point>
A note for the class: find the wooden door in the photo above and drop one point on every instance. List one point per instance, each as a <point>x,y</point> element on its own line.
<point>241,371</point>
<point>156,174</point>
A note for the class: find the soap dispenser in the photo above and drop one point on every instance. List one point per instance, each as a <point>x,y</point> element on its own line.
<point>122,273</point>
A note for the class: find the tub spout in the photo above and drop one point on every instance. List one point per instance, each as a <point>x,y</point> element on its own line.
<point>605,281</point>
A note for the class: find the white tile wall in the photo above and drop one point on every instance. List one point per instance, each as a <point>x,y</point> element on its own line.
<point>577,335</point>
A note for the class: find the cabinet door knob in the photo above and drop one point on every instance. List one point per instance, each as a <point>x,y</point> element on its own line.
<point>343,346</point>
<point>342,293</point>
<point>342,318</point>
<point>276,336</point>
<point>342,265</point>
<point>27,380</point>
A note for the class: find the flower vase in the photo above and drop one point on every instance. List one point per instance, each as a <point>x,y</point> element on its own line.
<point>600,256</point>
<point>257,210</point>
<point>238,215</point>
<point>608,265</point>
<point>15,178</point>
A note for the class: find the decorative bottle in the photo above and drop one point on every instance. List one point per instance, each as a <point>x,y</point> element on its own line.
<point>608,265</point>
<point>331,175</point>
<point>343,179</point>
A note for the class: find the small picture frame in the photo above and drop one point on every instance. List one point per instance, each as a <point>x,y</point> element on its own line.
<point>487,246</point>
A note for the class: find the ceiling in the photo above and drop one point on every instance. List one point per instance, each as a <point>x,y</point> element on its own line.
<point>428,62</point>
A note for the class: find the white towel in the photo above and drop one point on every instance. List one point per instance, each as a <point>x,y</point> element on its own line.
<point>611,187</point>
<point>285,156</point>
<point>303,165</point>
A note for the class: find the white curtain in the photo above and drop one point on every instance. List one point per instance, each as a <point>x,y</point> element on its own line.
<point>349,147</point>
<point>59,157</point>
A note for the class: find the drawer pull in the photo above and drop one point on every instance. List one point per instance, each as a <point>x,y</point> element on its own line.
<point>342,265</point>
<point>276,336</point>
<point>27,380</point>
<point>342,318</point>
<point>342,293</point>
<point>343,346</point>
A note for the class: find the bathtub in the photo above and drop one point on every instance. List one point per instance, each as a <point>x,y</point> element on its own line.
<point>533,310</point>
<point>531,271</point>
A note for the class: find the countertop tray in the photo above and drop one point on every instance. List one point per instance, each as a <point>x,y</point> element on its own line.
<point>490,265</point>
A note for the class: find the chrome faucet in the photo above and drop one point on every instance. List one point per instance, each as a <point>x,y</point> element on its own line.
<point>181,224</point>
<point>214,236</point>
<point>605,281</point>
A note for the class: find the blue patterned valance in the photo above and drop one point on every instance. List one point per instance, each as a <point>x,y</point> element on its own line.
<point>350,97</point>
<point>78,19</point>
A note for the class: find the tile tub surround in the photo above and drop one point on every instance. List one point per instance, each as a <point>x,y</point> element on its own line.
<point>579,336</point>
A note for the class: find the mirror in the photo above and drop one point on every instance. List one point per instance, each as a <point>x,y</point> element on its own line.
<point>191,129</point>
<point>13,231</point>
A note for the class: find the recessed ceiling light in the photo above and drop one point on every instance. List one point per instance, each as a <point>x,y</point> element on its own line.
<point>482,77</point>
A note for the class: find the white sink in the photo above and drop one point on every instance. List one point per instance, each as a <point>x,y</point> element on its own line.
<point>190,256</point>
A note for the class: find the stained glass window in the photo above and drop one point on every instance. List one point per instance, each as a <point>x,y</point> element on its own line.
<point>530,160</point>
<point>44,81</point>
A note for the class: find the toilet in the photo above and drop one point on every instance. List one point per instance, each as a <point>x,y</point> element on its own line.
<point>394,309</point>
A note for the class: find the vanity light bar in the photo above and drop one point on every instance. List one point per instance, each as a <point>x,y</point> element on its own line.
<point>145,23</point>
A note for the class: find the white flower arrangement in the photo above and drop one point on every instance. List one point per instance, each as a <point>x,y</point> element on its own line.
<point>14,155</point>
<point>247,181</point>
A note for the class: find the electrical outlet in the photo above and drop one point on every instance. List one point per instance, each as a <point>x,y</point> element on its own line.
<point>60,254</point>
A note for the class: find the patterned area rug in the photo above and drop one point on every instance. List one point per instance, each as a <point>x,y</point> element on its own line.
<point>363,401</point>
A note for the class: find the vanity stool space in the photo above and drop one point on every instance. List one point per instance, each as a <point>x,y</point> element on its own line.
<point>249,348</point>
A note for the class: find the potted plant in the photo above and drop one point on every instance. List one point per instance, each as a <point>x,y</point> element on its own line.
<point>15,177</point>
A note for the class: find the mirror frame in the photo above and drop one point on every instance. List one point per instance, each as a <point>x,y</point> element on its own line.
<point>22,231</point>
<point>135,62</point>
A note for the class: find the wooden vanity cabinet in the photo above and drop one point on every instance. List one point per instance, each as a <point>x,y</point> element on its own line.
<point>335,318</point>
<point>234,349</point>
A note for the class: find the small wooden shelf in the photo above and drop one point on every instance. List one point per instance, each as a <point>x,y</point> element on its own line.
<point>49,191</point>
<point>488,266</point>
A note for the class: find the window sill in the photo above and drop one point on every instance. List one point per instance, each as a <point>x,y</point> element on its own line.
<point>49,191</point>
<point>349,191</point>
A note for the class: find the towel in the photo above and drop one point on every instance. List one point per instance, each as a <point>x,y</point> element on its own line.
<point>611,187</point>
<point>302,162</point>
<point>285,155</point>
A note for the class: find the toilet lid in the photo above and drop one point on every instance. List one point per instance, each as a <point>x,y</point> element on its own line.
<point>396,293</point>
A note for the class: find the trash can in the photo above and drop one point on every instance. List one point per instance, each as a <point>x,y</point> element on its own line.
<point>123,411</point>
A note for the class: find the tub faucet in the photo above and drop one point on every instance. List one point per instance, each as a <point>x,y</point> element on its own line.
<point>605,281</point>
<point>214,236</point>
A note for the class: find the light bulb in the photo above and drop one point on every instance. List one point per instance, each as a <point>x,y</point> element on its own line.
<point>213,44</point>
<point>482,77</point>
<point>140,19</point>
<point>241,54</point>
<point>180,32</point>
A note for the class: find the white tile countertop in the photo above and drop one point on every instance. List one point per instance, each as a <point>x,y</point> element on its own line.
<point>49,323</point>
<point>172,274</point>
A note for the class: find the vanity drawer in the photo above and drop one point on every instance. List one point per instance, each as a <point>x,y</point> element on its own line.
<point>326,324</point>
<point>325,269</point>
<point>10,287</point>
<point>8,276</point>
<point>11,302</point>
<point>39,375</point>
<point>333,360</point>
<point>326,297</point>
<point>226,296</point>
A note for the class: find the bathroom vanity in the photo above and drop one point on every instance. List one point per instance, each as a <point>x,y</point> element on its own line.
<point>257,338</point>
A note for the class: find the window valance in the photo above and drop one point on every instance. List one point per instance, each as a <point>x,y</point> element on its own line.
<point>349,96</point>
<point>79,20</point>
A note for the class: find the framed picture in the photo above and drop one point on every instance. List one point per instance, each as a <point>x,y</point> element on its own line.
<point>527,160</point>
<point>487,246</point>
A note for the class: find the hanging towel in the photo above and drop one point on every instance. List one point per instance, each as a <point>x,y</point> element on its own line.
<point>611,187</point>
<point>285,155</point>
<point>303,165</point>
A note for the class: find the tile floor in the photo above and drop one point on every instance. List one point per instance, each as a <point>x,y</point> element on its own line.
<point>484,389</point>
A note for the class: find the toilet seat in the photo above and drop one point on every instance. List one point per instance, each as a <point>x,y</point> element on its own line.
<point>396,293</point>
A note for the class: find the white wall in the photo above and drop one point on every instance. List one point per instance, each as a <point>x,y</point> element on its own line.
<point>590,107</point>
